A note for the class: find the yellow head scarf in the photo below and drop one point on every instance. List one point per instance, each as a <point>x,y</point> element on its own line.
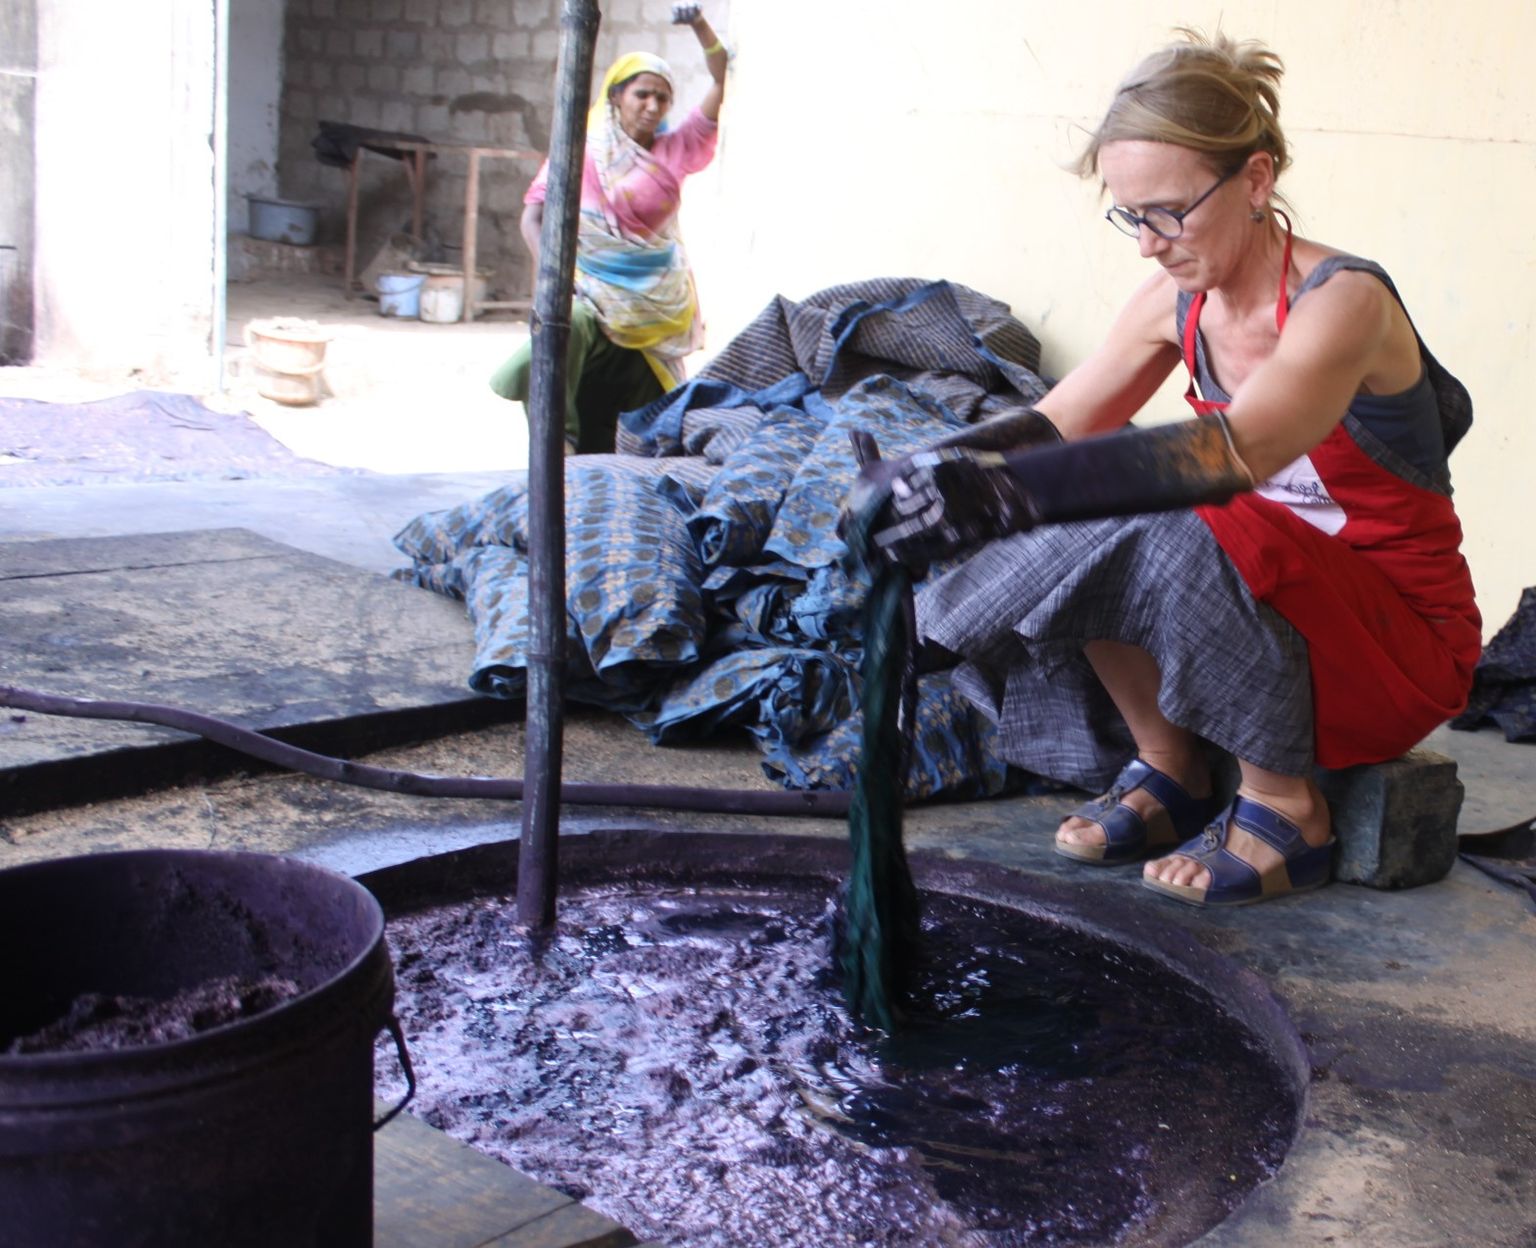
<point>626,67</point>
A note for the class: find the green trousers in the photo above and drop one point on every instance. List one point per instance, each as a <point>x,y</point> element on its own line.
<point>601,380</point>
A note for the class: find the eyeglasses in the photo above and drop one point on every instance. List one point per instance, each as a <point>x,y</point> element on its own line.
<point>1164,222</point>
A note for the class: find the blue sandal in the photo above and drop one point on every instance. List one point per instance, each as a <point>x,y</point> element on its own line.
<point>1125,832</point>
<point>1237,883</point>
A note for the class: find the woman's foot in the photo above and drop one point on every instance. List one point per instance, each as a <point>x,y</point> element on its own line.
<point>1299,803</point>
<point>1084,837</point>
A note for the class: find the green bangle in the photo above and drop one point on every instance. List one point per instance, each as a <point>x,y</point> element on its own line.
<point>717,46</point>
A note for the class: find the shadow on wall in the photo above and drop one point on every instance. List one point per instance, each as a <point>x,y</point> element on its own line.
<point>535,125</point>
<point>15,308</point>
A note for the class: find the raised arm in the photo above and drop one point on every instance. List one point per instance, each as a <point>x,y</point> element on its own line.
<point>714,56</point>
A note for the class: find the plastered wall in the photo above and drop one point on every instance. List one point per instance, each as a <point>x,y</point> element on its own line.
<point>125,228</point>
<point>18,96</point>
<point>888,137</point>
<point>465,71</point>
<point>255,94</point>
<point>861,137</point>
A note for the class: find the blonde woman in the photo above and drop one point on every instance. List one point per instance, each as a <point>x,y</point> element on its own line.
<point>1286,582</point>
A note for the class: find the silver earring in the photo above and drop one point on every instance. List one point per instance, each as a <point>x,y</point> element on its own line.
<point>1256,215</point>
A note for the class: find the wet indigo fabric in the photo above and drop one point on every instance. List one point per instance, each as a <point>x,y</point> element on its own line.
<point>706,583</point>
<point>1504,683</point>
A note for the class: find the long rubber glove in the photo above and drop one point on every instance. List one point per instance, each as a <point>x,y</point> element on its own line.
<point>1013,430</point>
<point>942,501</point>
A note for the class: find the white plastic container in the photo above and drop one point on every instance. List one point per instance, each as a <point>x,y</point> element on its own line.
<point>442,300</point>
<point>442,294</point>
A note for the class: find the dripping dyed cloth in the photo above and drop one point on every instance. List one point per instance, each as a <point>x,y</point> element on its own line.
<point>1504,681</point>
<point>881,917</point>
<point>706,583</point>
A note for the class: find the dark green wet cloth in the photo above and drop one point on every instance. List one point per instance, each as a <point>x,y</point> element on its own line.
<point>601,380</point>
<point>881,919</point>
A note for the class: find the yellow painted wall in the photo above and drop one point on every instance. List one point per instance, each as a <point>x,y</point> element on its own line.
<point>904,137</point>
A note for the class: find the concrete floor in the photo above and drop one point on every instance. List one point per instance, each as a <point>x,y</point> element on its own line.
<point>1420,1128</point>
<point>403,396</point>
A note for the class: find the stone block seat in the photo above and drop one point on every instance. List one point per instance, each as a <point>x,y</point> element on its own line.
<point>1395,821</point>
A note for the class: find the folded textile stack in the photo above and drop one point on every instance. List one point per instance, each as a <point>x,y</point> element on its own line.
<point>706,582</point>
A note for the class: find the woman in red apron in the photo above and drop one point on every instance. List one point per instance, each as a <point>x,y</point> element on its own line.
<point>1285,580</point>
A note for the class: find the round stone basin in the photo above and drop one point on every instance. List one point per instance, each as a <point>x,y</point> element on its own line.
<point>677,1055</point>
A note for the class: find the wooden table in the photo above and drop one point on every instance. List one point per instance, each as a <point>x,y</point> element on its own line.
<point>414,158</point>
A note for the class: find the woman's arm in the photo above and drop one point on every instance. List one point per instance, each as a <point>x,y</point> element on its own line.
<point>714,56</point>
<point>1108,388</point>
<point>937,503</point>
<point>531,224</point>
<point>1342,334</point>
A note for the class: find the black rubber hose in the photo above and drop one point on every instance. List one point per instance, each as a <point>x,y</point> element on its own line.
<point>823,804</point>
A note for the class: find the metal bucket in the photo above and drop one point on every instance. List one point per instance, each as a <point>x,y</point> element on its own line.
<point>257,1132</point>
<point>282,220</point>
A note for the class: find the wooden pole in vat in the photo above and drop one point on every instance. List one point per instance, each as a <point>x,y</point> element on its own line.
<point>550,325</point>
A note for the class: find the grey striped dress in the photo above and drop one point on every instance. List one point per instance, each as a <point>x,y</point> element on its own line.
<point>1019,611</point>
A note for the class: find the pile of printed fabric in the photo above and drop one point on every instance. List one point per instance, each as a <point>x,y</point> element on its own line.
<point>706,583</point>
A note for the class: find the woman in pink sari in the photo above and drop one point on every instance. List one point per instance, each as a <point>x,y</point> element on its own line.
<point>635,315</point>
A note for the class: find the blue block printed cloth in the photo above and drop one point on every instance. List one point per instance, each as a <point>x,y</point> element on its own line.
<point>706,583</point>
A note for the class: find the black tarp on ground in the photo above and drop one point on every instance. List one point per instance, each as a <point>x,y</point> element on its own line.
<point>1504,685</point>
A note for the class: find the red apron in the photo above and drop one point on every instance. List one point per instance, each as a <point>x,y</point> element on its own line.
<point>1385,604</point>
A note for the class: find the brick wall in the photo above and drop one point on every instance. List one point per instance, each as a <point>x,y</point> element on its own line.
<point>467,71</point>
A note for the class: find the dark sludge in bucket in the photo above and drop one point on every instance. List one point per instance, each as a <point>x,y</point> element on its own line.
<point>186,1044</point>
<point>679,1057</point>
<point>99,1020</point>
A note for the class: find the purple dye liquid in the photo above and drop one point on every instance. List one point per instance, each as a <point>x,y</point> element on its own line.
<point>681,1060</point>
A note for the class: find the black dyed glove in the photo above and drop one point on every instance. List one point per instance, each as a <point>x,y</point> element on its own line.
<point>936,503</point>
<point>1017,429</point>
<point>929,527</point>
<point>939,502</point>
